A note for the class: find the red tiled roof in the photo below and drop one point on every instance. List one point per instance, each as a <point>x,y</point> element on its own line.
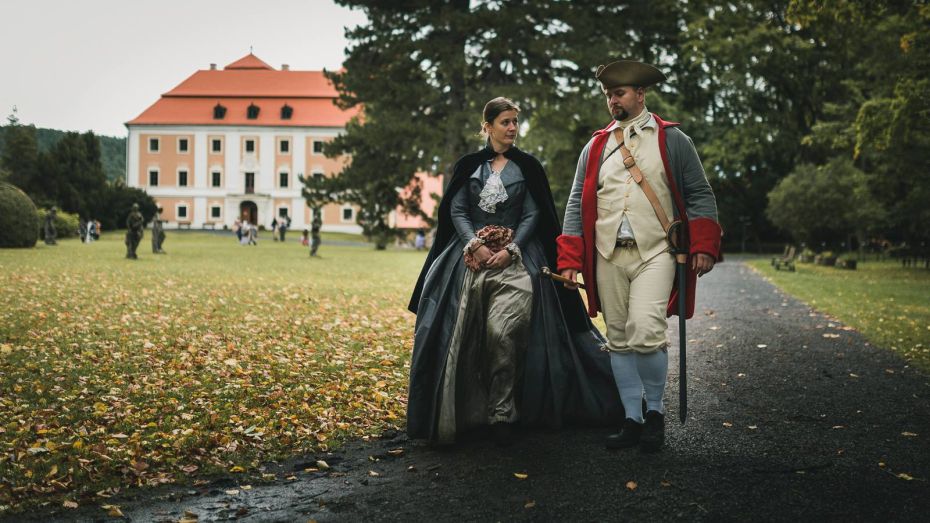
<point>244,82</point>
<point>249,61</point>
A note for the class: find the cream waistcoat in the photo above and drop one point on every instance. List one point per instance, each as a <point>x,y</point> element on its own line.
<point>618,196</point>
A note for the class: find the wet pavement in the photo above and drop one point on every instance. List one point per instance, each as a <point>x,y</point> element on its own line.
<point>792,416</point>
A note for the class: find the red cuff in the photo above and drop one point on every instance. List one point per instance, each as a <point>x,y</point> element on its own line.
<point>571,252</point>
<point>705,237</point>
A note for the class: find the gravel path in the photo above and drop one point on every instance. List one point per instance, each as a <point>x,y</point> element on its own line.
<point>792,417</point>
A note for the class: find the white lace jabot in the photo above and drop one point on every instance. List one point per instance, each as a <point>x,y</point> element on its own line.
<point>493,192</point>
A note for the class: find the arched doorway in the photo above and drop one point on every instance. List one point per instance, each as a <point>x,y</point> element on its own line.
<point>249,211</point>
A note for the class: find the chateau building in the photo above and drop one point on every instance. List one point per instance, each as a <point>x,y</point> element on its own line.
<point>230,144</point>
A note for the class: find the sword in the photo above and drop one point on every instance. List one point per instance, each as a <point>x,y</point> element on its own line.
<point>675,235</point>
<point>546,272</point>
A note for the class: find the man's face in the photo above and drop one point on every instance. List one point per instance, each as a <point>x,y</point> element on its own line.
<point>625,101</point>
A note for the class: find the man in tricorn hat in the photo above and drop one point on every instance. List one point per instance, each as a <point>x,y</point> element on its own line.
<point>615,235</point>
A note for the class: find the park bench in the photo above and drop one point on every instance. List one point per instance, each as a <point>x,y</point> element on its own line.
<point>786,260</point>
<point>184,225</point>
<point>209,225</point>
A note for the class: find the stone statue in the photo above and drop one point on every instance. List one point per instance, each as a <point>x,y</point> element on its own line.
<point>158,233</point>
<point>134,229</point>
<point>51,233</point>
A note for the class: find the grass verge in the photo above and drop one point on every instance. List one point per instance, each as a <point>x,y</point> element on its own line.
<point>214,357</point>
<point>886,302</point>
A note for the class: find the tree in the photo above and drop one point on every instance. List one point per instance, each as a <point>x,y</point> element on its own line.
<point>825,205</point>
<point>20,157</point>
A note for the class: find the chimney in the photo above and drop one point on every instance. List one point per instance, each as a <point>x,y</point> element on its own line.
<point>285,67</point>
<point>213,67</point>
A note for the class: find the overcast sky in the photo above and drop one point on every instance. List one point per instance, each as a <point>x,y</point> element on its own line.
<point>81,65</point>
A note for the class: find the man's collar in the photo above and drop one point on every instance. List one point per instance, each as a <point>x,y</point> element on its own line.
<point>650,124</point>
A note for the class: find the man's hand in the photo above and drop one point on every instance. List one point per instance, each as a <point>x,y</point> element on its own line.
<point>499,260</point>
<point>702,263</point>
<point>572,275</point>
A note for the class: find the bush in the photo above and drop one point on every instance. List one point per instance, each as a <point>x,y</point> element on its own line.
<point>18,219</point>
<point>66,224</point>
<point>847,261</point>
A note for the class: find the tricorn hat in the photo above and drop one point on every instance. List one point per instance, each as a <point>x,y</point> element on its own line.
<point>628,72</point>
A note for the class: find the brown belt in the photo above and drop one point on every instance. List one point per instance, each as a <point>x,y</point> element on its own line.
<point>626,242</point>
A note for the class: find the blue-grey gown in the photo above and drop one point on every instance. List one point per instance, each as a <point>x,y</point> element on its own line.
<point>564,376</point>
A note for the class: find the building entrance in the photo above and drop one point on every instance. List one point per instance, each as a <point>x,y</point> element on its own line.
<point>249,211</point>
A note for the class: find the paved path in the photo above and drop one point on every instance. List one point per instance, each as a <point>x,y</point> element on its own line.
<point>792,417</point>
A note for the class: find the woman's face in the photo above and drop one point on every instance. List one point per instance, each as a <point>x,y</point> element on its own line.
<point>503,130</point>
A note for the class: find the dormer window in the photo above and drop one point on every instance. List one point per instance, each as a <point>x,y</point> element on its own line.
<point>252,112</point>
<point>219,112</point>
<point>286,112</point>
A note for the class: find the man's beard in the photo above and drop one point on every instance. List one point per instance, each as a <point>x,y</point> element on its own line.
<point>622,115</point>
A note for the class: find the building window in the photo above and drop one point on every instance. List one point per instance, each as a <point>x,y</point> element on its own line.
<point>284,146</point>
<point>252,112</point>
<point>153,145</point>
<point>348,214</point>
<point>286,112</point>
<point>215,212</point>
<point>182,145</point>
<point>216,178</point>
<point>282,179</point>
<point>250,183</point>
<point>250,146</point>
<point>282,212</point>
<point>317,147</point>
<point>182,178</point>
<point>153,177</point>
<point>219,112</point>
<point>216,145</point>
<point>318,175</point>
<point>182,212</point>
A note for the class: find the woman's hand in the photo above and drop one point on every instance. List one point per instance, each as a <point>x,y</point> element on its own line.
<point>482,254</point>
<point>499,260</point>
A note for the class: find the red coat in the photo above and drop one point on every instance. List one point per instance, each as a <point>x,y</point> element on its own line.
<point>574,252</point>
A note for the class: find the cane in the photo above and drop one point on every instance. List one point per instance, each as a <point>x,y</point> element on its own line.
<point>544,271</point>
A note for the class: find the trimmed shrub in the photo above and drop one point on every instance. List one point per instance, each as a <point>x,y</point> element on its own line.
<point>66,224</point>
<point>18,219</point>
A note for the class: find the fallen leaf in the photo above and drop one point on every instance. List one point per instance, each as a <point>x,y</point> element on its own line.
<point>232,492</point>
<point>322,465</point>
<point>761,346</point>
<point>631,485</point>
<point>520,475</point>
<point>753,427</point>
<point>529,504</point>
<point>665,483</point>
<point>373,474</point>
<point>727,424</point>
<point>905,477</point>
<point>237,469</point>
<point>114,511</point>
<point>830,335</point>
<point>909,434</point>
<point>69,504</point>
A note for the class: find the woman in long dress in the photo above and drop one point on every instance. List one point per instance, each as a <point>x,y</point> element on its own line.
<point>495,344</point>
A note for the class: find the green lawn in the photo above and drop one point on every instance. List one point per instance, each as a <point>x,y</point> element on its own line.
<point>214,357</point>
<point>888,303</point>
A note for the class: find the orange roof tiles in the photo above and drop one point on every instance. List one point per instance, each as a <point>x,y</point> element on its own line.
<point>244,82</point>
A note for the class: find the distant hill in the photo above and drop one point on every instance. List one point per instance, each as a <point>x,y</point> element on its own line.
<point>112,149</point>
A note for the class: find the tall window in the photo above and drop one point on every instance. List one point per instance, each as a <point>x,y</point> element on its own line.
<point>284,146</point>
<point>182,145</point>
<point>182,212</point>
<point>153,145</point>
<point>215,212</point>
<point>215,178</point>
<point>216,145</point>
<point>249,183</point>
<point>250,146</point>
<point>182,178</point>
<point>317,147</point>
<point>153,178</point>
<point>282,179</point>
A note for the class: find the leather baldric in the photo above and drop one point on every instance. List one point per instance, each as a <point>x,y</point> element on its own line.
<point>630,163</point>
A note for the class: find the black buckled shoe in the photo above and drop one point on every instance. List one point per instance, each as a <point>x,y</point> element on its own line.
<point>653,436</point>
<point>628,436</point>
